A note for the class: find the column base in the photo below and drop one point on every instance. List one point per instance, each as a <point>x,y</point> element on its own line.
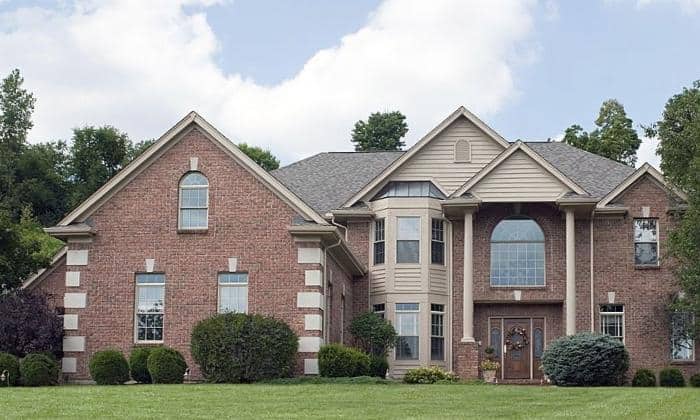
<point>467,360</point>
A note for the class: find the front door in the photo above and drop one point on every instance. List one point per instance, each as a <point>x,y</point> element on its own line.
<point>516,348</point>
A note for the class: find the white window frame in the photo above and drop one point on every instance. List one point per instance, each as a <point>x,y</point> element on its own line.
<point>136,307</point>
<point>612,313</point>
<point>443,326</point>
<point>378,241</point>
<point>692,341</point>
<point>510,284</point>
<point>416,313</point>
<point>658,245</point>
<point>179,203</point>
<point>231,285</point>
<point>396,256</point>
<point>432,239</point>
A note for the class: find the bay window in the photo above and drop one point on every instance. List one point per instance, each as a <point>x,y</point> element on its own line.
<point>379,241</point>
<point>437,332</point>
<point>437,243</point>
<point>407,330</point>
<point>408,240</point>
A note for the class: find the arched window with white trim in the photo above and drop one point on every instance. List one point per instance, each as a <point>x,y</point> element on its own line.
<point>194,202</point>
<point>517,253</point>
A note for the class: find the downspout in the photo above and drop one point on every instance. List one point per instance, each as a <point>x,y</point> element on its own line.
<point>334,223</point>
<point>591,269</point>
<point>326,330</point>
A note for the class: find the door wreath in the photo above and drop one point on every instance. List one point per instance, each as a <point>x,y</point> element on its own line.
<point>516,345</point>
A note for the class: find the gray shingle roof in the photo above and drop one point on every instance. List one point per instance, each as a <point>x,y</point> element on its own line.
<point>327,180</point>
<point>595,174</point>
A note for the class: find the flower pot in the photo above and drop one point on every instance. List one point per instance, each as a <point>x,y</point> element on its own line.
<point>489,376</point>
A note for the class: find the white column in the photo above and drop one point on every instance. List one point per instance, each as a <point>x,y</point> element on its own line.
<point>570,273</point>
<point>468,293</point>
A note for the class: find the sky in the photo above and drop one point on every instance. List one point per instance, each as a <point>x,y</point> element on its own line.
<point>294,76</point>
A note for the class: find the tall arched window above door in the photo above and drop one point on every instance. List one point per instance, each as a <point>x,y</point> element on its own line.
<point>194,202</point>
<point>517,253</point>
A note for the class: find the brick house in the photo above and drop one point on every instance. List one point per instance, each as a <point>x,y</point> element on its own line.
<point>465,241</point>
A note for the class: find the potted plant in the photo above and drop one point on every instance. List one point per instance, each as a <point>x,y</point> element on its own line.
<point>488,370</point>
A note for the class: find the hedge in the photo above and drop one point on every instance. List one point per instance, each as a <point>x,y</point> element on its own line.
<point>586,359</point>
<point>166,366</point>
<point>10,363</point>
<point>428,375</point>
<point>234,348</point>
<point>337,360</point>
<point>38,369</point>
<point>671,377</point>
<point>695,380</point>
<point>109,367</point>
<point>378,365</point>
<point>644,377</point>
<point>138,364</point>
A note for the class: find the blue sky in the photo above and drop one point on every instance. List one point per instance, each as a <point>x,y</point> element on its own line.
<point>294,76</point>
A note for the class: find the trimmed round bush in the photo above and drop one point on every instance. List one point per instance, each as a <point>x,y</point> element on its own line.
<point>9,363</point>
<point>337,360</point>
<point>428,375</point>
<point>695,380</point>
<point>373,334</point>
<point>671,377</point>
<point>586,359</point>
<point>38,369</point>
<point>109,367</point>
<point>166,366</point>
<point>138,364</point>
<point>378,365</point>
<point>644,377</point>
<point>235,348</point>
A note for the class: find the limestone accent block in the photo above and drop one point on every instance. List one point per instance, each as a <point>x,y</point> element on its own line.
<point>312,277</point>
<point>72,278</point>
<point>309,256</point>
<point>74,300</point>
<point>313,322</point>
<point>150,265</point>
<point>310,366</point>
<point>74,343</point>
<point>233,264</point>
<point>77,257</point>
<point>310,344</point>
<point>69,365</point>
<point>70,322</point>
<point>309,300</point>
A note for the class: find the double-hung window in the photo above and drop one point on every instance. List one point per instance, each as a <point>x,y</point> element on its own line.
<point>646,242</point>
<point>379,309</point>
<point>437,332</point>
<point>407,330</point>
<point>379,241</point>
<point>150,305</point>
<point>194,202</point>
<point>408,240</point>
<point>233,292</point>
<point>612,321</point>
<point>437,243</point>
<point>682,340</point>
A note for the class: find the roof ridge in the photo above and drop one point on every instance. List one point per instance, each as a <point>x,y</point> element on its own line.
<point>299,161</point>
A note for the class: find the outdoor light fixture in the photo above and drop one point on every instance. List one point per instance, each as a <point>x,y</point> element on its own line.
<point>5,375</point>
<point>187,373</point>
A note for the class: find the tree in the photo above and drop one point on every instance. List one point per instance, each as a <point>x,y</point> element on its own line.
<point>678,132</point>
<point>615,138</point>
<point>262,157</point>
<point>373,334</point>
<point>28,324</point>
<point>97,154</point>
<point>382,131</point>
<point>137,148</point>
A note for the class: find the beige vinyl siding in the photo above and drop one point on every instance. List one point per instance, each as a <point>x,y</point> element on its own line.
<point>438,279</point>
<point>378,280</point>
<point>436,160</point>
<point>407,279</point>
<point>519,178</point>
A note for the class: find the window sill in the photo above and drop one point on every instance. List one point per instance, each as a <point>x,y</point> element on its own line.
<point>682,362</point>
<point>193,231</point>
<point>148,343</point>
<point>647,267</point>
<point>517,287</point>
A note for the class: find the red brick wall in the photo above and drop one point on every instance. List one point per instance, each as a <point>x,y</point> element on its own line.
<point>358,241</point>
<point>341,281</point>
<point>246,220</point>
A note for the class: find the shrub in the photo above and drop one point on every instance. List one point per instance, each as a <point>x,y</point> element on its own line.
<point>233,348</point>
<point>695,380</point>
<point>586,359</point>
<point>428,375</point>
<point>109,367</point>
<point>38,369</point>
<point>28,324</point>
<point>671,377</point>
<point>378,365</point>
<point>644,377</point>
<point>138,364</point>
<point>166,366</point>
<point>10,363</point>
<point>337,360</point>
<point>373,334</point>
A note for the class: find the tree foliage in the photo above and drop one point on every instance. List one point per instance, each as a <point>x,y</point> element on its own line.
<point>28,324</point>
<point>678,132</point>
<point>382,131</point>
<point>262,157</point>
<point>373,334</point>
<point>615,137</point>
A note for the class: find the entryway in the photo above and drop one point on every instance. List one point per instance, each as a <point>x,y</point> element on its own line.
<point>518,343</point>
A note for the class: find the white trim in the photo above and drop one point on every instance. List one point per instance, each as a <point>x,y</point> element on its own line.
<point>601,313</point>
<point>136,308</point>
<point>180,189</point>
<point>645,169</point>
<point>117,182</point>
<point>460,112</point>
<point>518,145</point>
<point>221,285</point>
<point>635,242</point>
<point>77,257</point>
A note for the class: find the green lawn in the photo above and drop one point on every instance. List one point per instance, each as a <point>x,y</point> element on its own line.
<point>346,400</point>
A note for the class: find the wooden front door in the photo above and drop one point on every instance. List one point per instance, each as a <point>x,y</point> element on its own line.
<point>516,348</point>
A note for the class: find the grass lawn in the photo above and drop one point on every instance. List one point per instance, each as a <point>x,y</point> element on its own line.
<point>346,400</point>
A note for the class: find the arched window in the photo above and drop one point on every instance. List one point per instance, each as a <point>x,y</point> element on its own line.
<point>194,201</point>
<point>462,151</point>
<point>517,253</point>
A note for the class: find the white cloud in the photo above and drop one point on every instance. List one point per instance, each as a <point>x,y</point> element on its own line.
<point>142,65</point>
<point>647,153</point>
<point>689,7</point>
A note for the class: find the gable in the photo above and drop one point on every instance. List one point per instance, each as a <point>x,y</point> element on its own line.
<point>436,161</point>
<point>519,178</point>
